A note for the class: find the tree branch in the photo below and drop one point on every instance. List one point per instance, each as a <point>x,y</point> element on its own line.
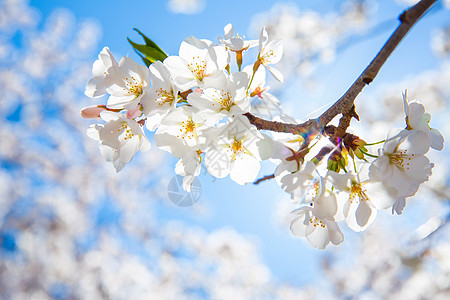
<point>408,18</point>
<point>313,127</point>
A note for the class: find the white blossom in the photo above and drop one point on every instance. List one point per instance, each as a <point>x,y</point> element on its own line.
<point>418,119</point>
<point>319,231</point>
<point>358,209</point>
<point>228,98</point>
<point>162,96</point>
<point>95,87</point>
<point>181,130</point>
<point>119,139</point>
<point>237,43</point>
<point>199,63</point>
<point>263,103</point>
<point>237,150</point>
<point>270,53</point>
<point>127,83</point>
<point>402,165</point>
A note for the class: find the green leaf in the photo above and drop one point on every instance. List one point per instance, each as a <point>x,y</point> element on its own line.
<point>149,52</point>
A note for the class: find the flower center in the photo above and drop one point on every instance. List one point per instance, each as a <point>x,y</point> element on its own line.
<point>236,147</point>
<point>313,191</point>
<point>187,129</point>
<point>126,131</point>
<point>164,97</point>
<point>258,92</point>
<point>316,222</point>
<point>400,159</point>
<point>197,67</point>
<point>357,193</point>
<point>134,87</point>
<point>267,57</point>
<point>225,101</point>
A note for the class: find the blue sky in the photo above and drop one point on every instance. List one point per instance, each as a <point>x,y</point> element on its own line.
<point>248,209</point>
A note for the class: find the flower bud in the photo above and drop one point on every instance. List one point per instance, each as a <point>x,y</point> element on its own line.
<point>92,112</point>
<point>338,160</point>
<point>355,145</point>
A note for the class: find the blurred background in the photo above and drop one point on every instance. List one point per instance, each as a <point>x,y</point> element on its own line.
<point>72,228</point>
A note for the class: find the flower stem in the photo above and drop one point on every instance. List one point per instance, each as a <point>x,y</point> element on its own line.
<point>368,154</point>
<point>376,143</point>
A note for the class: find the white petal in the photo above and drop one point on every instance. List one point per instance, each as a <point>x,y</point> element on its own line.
<point>319,237</point>
<point>399,206</point>
<point>415,142</point>
<point>265,147</point>
<point>340,181</point>
<point>228,31</point>
<point>298,224</point>
<point>325,206</point>
<point>144,144</point>
<point>336,235</point>
<point>363,213</point>
<point>244,169</point>
<point>129,149</point>
<point>437,139</point>
<point>217,163</point>
<point>95,87</point>
<point>275,73</point>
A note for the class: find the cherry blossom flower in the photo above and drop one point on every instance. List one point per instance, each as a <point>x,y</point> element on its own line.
<point>402,165</point>
<point>127,84</point>
<point>199,63</point>
<point>418,119</point>
<point>269,53</point>
<point>358,209</point>
<point>119,139</point>
<point>319,231</point>
<point>237,150</point>
<point>95,87</point>
<point>264,103</point>
<point>295,183</point>
<point>227,99</point>
<point>236,44</point>
<point>181,130</point>
<point>162,96</point>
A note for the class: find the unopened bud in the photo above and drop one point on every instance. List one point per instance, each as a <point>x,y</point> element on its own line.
<point>355,145</point>
<point>92,112</point>
<point>338,160</point>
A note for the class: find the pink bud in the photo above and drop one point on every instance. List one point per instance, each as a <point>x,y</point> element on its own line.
<point>134,113</point>
<point>198,90</point>
<point>92,112</point>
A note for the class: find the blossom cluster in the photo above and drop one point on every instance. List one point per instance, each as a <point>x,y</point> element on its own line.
<point>197,103</point>
<point>192,101</point>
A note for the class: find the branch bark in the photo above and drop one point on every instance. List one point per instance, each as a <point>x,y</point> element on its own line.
<point>344,104</point>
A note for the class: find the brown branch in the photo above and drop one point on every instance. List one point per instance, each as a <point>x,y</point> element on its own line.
<point>408,18</point>
<point>313,127</point>
<point>267,177</point>
<point>344,122</point>
<point>302,129</point>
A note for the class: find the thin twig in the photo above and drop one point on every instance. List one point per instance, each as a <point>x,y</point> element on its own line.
<point>264,179</point>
